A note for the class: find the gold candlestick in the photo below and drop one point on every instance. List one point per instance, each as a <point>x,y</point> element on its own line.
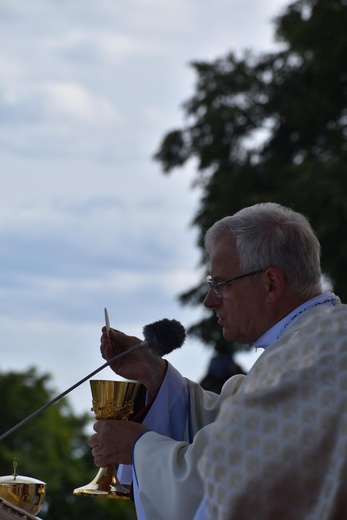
<point>111,400</point>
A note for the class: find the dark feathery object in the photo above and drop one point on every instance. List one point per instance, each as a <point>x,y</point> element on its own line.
<point>164,336</point>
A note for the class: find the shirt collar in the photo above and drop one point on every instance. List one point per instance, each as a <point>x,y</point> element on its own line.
<point>277,330</point>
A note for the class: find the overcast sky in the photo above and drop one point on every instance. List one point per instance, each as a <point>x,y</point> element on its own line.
<point>88,88</point>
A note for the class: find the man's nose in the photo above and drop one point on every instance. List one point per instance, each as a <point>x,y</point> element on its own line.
<point>211,300</point>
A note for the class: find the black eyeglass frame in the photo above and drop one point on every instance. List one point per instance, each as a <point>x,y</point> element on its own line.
<point>214,285</point>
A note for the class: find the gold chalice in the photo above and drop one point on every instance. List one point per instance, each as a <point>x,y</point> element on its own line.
<point>111,400</point>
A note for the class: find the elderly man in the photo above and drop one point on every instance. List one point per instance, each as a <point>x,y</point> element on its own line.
<point>273,444</point>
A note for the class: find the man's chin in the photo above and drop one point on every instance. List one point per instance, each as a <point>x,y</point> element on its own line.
<point>226,334</point>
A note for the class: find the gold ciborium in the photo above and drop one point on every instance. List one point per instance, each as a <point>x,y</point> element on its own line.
<point>111,400</point>
<point>26,493</point>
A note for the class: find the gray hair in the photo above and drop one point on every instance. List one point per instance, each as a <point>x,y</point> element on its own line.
<point>271,235</point>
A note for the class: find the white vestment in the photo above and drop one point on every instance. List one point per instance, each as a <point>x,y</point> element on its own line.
<point>278,448</point>
<point>167,484</point>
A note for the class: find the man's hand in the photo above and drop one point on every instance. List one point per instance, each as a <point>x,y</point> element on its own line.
<point>114,441</point>
<point>141,365</point>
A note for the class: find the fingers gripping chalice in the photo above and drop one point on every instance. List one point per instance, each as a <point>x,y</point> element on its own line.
<point>111,400</point>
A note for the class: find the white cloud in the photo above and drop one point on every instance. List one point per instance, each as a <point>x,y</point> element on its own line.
<point>75,102</point>
<point>52,102</point>
<point>7,67</point>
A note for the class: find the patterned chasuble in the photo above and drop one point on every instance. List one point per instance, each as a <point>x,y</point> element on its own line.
<point>279,449</point>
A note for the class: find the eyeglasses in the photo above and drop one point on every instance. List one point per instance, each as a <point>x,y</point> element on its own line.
<point>215,285</point>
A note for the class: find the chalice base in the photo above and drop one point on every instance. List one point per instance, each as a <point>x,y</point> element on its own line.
<point>104,485</point>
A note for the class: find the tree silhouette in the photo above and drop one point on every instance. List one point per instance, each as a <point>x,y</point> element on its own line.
<point>272,127</point>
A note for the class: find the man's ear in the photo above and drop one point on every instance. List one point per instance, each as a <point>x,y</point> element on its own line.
<point>275,284</point>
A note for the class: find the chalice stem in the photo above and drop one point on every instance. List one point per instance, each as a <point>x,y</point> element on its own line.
<point>109,482</point>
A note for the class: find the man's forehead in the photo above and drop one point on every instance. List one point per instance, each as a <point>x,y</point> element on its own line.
<point>224,246</point>
<point>224,254</point>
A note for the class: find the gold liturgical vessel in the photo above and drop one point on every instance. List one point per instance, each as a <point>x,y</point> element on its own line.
<point>26,494</point>
<point>111,400</point>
